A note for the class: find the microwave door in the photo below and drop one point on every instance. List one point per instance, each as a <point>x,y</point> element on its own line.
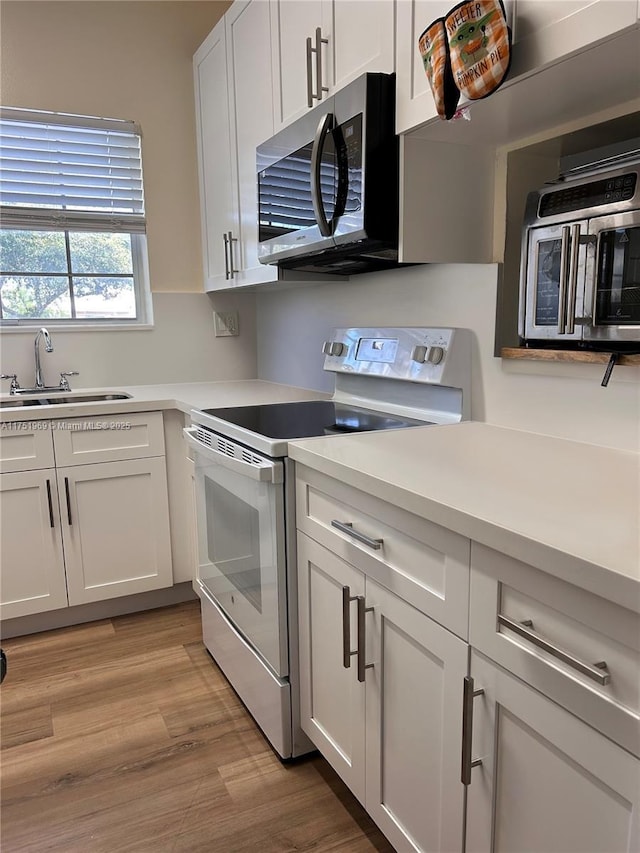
<point>296,174</point>
<point>554,287</point>
<point>613,278</point>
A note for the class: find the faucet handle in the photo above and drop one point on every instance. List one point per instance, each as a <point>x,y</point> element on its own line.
<point>64,382</point>
<point>15,385</point>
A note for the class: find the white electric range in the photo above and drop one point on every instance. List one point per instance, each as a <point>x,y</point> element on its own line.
<point>385,378</point>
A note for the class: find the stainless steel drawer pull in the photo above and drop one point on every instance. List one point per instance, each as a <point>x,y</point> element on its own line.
<point>347,527</point>
<point>468,695</point>
<point>597,671</point>
<point>347,654</point>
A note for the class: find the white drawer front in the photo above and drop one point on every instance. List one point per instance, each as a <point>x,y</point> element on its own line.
<point>25,446</point>
<point>423,563</point>
<point>113,438</point>
<point>568,633</point>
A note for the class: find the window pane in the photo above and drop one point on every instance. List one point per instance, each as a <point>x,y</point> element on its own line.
<point>35,297</point>
<point>110,298</point>
<point>100,253</point>
<point>32,251</point>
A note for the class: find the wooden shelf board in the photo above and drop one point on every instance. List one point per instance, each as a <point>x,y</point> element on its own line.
<point>566,355</point>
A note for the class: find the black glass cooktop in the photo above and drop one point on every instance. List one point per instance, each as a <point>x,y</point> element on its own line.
<point>308,419</point>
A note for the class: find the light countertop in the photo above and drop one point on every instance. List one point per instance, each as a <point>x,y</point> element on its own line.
<point>184,396</point>
<point>568,508</point>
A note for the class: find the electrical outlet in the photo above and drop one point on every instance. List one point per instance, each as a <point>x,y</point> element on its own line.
<point>225,323</point>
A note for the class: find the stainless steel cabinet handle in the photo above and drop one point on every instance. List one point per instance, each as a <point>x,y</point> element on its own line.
<point>564,274</point>
<point>347,654</point>
<point>318,52</point>
<point>50,503</point>
<point>347,527</point>
<point>225,237</point>
<point>309,74</point>
<point>468,695</point>
<point>362,666</point>
<point>230,241</point>
<point>598,671</point>
<point>68,495</point>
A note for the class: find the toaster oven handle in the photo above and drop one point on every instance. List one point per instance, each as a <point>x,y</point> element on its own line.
<point>564,275</point>
<point>324,127</point>
<point>573,280</point>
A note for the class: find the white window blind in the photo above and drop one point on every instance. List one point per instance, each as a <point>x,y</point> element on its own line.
<point>70,172</point>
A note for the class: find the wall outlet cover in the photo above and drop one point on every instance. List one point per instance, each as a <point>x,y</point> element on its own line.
<point>225,323</point>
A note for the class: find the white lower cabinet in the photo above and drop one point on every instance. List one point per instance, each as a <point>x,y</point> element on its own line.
<point>84,532</point>
<point>31,560</point>
<point>389,722</point>
<point>548,783</point>
<point>115,522</point>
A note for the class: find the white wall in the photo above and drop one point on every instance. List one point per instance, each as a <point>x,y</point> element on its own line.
<point>557,399</point>
<point>181,347</point>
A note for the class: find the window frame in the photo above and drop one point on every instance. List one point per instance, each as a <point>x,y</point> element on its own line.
<point>53,219</point>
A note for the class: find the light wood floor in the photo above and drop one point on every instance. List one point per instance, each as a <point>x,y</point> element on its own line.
<point>122,735</point>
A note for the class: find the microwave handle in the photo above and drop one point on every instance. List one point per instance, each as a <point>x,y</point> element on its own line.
<point>564,275</point>
<point>325,125</point>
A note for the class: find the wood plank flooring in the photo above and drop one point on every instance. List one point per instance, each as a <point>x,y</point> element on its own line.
<point>123,735</point>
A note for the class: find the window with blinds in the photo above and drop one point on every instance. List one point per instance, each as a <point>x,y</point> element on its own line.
<point>72,222</point>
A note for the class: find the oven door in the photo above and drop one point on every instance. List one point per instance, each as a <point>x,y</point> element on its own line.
<point>554,284</point>
<point>241,536</point>
<point>613,278</point>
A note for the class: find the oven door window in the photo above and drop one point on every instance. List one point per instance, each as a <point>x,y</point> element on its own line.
<point>617,291</point>
<point>241,559</point>
<point>555,273</point>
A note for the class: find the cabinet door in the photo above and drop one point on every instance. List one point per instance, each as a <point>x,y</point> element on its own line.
<point>547,782</point>
<point>251,112</point>
<point>414,104</point>
<point>115,519</point>
<point>292,22</point>
<point>331,697</point>
<point>31,563</point>
<point>361,39</point>
<point>218,205</point>
<point>546,31</point>
<point>414,725</point>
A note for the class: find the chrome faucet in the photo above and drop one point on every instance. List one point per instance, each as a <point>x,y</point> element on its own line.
<point>43,333</point>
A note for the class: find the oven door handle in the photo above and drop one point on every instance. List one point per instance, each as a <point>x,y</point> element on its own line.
<point>257,469</point>
<point>325,126</point>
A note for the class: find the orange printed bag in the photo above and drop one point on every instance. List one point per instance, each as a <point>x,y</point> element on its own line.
<point>480,46</point>
<point>437,65</point>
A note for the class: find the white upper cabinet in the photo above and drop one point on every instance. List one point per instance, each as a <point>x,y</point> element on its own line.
<point>415,103</point>
<point>234,110</point>
<point>318,46</point>
<point>218,205</point>
<point>251,121</point>
<point>544,33</point>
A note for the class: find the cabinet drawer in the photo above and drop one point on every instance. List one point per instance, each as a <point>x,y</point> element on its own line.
<point>113,438</point>
<point>25,446</point>
<point>423,563</point>
<point>555,636</point>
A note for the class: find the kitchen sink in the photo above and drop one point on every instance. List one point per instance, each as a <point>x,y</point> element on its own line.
<point>51,400</point>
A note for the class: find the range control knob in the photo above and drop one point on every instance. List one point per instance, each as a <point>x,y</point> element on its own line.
<point>419,354</point>
<point>333,348</point>
<point>435,355</point>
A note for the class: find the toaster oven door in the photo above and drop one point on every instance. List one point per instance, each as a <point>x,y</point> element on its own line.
<point>554,282</point>
<point>613,278</point>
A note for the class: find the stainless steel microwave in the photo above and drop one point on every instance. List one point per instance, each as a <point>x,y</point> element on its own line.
<point>328,185</point>
<point>580,259</point>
